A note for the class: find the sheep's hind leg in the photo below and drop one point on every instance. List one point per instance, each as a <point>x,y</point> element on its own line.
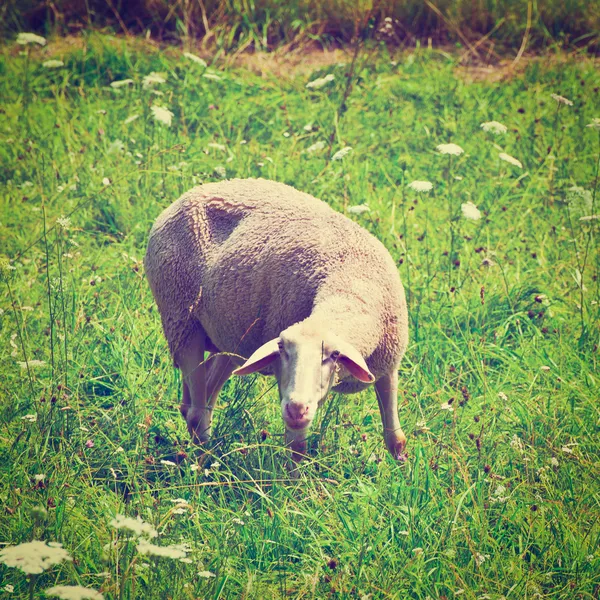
<point>386,389</point>
<point>193,369</point>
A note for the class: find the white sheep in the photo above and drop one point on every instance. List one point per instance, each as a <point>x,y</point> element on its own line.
<point>251,267</point>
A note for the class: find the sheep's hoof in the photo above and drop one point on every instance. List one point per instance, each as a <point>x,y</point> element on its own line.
<point>198,429</point>
<point>397,446</point>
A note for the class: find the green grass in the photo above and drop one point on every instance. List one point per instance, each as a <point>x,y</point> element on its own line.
<point>500,497</point>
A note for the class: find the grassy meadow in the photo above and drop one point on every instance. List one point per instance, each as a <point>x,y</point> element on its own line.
<point>500,387</point>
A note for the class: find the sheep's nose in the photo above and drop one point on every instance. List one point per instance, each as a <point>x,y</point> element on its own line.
<point>296,410</point>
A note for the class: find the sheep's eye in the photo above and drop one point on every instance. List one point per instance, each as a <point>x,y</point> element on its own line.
<point>335,354</point>
<point>280,346</point>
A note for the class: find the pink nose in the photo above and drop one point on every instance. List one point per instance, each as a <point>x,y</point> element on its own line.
<point>296,411</point>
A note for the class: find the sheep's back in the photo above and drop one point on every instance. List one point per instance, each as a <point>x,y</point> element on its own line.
<point>249,257</point>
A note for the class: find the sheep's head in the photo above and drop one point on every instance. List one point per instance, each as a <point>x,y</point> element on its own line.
<point>307,363</point>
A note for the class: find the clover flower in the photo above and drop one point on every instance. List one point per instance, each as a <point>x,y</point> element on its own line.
<point>34,557</point>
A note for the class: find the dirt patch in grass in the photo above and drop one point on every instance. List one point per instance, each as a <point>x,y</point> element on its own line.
<point>290,62</point>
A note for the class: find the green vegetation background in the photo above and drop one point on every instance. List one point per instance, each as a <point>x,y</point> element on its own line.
<point>499,389</point>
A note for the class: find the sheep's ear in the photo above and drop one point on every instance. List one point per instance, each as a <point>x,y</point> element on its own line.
<point>352,360</point>
<point>264,356</point>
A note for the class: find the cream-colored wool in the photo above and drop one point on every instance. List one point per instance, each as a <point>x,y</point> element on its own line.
<point>243,260</point>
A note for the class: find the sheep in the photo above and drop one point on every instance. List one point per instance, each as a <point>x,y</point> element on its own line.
<point>255,268</point>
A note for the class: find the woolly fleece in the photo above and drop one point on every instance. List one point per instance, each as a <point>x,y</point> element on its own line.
<point>247,258</point>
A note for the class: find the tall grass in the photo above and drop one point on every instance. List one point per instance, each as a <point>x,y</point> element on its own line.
<point>483,26</point>
<point>499,389</point>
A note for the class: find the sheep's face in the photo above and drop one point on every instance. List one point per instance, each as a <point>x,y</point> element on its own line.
<point>307,363</point>
<point>306,370</point>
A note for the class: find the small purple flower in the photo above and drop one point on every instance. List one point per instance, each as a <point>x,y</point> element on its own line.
<point>89,444</point>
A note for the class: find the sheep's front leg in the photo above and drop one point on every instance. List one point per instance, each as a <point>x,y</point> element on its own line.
<point>219,369</point>
<point>194,407</point>
<point>386,389</point>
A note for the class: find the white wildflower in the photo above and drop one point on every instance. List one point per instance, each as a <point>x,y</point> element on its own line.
<point>516,442</point>
<point>417,551</point>
<point>554,461</point>
<point>212,76</point>
<point>30,38</point>
<point>162,115</point>
<point>116,146</point>
<point>480,558</point>
<point>53,64</point>
<point>63,222</point>
<point>119,83</point>
<point>320,82</point>
<point>33,557</point>
<point>220,171</point>
<point>73,592</point>
<point>561,99</point>
<point>194,468</point>
<point>595,124</point>
<point>168,463</point>
<point>453,149</point>
<point>567,450</point>
<point>153,78</point>
<point>130,119</point>
<point>447,406</point>
<point>11,588</point>
<point>341,153</point>
<point>137,526</point>
<point>175,551</point>
<point>32,418</point>
<point>237,521</point>
<point>195,59</point>
<point>545,368</point>
<point>181,501</point>
<point>39,477</point>
<point>316,147</point>
<point>503,396</point>
<point>589,218</point>
<point>359,209</point>
<point>26,184</point>
<point>308,127</point>
<point>494,127</point>
<point>509,159</point>
<point>106,181</point>
<point>34,363</point>
<point>205,574</point>
<point>420,186</point>
<point>470,211</point>
<point>217,146</point>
